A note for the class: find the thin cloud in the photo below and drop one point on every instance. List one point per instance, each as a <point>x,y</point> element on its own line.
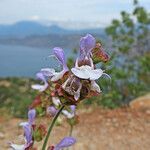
<point>63,10</point>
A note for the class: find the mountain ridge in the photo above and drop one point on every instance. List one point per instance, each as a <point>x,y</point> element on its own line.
<point>27,28</point>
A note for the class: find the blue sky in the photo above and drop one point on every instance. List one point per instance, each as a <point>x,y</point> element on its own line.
<point>66,13</point>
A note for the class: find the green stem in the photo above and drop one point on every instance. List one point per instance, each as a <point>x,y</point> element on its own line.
<point>51,127</point>
<point>71,129</point>
<point>70,133</point>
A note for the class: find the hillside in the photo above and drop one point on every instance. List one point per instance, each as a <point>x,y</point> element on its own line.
<point>34,34</point>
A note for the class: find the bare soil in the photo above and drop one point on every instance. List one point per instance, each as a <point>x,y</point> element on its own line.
<point>98,129</point>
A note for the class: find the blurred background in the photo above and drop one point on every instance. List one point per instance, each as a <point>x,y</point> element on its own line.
<point>29,29</point>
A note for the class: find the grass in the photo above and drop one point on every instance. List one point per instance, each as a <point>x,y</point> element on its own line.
<point>16,95</point>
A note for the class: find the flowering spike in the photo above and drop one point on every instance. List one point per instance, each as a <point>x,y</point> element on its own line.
<point>67,87</point>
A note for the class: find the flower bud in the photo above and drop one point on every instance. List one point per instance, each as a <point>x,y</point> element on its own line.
<point>99,54</point>
<point>39,132</point>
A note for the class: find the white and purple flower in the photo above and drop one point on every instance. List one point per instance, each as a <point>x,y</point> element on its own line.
<point>52,111</point>
<point>84,69</point>
<point>50,72</point>
<point>27,127</point>
<point>41,88</point>
<point>70,114</point>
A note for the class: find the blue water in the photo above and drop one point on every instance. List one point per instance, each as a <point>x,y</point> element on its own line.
<point>22,61</point>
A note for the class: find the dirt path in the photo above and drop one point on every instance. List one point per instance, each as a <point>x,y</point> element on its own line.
<point>121,129</point>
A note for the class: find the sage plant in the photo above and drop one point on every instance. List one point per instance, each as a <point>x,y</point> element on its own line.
<point>61,92</point>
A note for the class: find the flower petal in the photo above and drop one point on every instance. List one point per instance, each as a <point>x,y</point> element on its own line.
<point>31,116</point>
<point>40,76</point>
<point>68,114</point>
<point>56,101</point>
<point>86,72</point>
<point>48,72</point>
<point>77,93</point>
<point>73,108</point>
<point>71,114</point>
<point>58,75</point>
<point>39,87</point>
<point>80,73</point>
<point>65,142</point>
<point>95,87</point>
<point>59,53</point>
<point>51,110</point>
<point>95,74</point>
<point>27,131</point>
<point>17,147</point>
<point>87,43</point>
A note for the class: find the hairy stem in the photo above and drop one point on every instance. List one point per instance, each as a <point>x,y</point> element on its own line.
<point>51,127</point>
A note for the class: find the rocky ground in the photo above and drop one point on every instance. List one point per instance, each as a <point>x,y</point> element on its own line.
<point>98,129</point>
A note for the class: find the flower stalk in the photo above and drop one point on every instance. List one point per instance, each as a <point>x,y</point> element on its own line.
<point>70,133</point>
<point>51,127</point>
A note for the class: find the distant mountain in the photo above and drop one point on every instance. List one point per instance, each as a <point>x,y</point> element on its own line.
<point>22,29</point>
<point>34,34</point>
<point>28,28</point>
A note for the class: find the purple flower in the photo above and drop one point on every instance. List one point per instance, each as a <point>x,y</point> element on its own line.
<point>50,72</point>
<point>52,110</point>
<point>70,114</point>
<point>27,127</point>
<point>28,137</point>
<point>87,43</point>
<point>39,87</point>
<point>27,132</point>
<point>59,53</point>
<point>87,71</point>
<point>73,108</point>
<point>31,116</point>
<point>64,143</point>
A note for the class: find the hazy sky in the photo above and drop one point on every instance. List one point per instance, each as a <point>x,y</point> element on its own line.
<point>69,13</point>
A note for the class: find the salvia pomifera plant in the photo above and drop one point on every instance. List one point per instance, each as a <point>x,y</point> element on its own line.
<point>60,93</point>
